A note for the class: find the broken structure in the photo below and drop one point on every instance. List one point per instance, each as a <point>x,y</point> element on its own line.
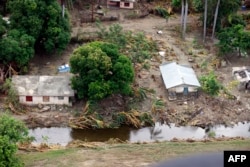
<point>242,74</point>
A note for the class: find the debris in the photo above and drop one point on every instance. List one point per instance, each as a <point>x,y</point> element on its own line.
<point>45,108</point>
<point>159,32</point>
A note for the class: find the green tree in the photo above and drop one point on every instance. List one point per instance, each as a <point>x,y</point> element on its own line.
<point>232,39</point>
<point>11,132</point>
<point>226,8</point>
<point>100,71</point>
<point>16,47</point>
<point>210,84</point>
<point>43,20</point>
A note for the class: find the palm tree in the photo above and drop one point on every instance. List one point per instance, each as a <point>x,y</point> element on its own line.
<point>205,22</point>
<point>184,13</point>
<point>215,17</point>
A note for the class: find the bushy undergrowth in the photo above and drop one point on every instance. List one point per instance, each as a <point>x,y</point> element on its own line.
<point>134,45</point>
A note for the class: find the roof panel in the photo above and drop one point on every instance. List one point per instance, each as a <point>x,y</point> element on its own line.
<point>42,85</point>
<point>174,75</point>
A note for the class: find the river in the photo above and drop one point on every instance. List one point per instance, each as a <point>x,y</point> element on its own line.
<point>64,135</point>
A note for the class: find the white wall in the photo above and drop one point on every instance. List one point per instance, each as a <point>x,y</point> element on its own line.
<point>131,5</point>
<point>39,100</point>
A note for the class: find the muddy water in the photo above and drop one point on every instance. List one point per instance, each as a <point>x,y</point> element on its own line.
<point>64,135</point>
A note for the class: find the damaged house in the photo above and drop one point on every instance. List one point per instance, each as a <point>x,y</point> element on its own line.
<point>34,90</point>
<point>179,80</point>
<point>242,75</point>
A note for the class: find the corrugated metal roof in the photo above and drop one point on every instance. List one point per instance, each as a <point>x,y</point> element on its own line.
<point>175,75</point>
<point>27,85</point>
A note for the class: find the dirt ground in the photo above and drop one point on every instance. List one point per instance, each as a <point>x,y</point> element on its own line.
<point>202,111</point>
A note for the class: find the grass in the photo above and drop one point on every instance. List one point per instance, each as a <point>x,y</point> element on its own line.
<point>124,154</point>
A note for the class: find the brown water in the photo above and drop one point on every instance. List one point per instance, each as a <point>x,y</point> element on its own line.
<point>64,135</point>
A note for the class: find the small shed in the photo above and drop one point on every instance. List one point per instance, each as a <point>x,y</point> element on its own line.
<point>179,80</point>
<point>33,90</point>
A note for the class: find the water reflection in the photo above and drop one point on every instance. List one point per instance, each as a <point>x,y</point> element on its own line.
<point>165,132</point>
<point>240,129</point>
<point>149,134</point>
<point>100,134</point>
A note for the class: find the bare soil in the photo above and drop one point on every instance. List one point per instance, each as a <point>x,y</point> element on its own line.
<point>202,111</point>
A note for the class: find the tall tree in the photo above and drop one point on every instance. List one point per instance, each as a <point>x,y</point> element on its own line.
<point>215,17</point>
<point>184,13</point>
<point>185,19</point>
<point>205,22</point>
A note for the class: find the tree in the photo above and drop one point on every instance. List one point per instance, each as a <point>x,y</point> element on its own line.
<point>11,132</point>
<point>215,18</point>
<point>41,19</point>
<point>184,13</point>
<point>205,22</point>
<point>100,71</point>
<point>232,39</point>
<point>210,84</point>
<point>16,47</point>
<point>225,8</point>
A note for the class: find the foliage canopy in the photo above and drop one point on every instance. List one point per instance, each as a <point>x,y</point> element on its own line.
<point>234,38</point>
<point>35,26</point>
<point>101,71</point>
<point>11,132</point>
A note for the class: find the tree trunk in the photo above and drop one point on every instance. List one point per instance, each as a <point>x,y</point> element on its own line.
<point>185,19</point>
<point>182,16</point>
<point>215,18</point>
<point>205,22</point>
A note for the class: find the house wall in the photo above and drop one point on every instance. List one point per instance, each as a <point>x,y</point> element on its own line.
<point>180,89</point>
<point>39,100</point>
<point>131,5</point>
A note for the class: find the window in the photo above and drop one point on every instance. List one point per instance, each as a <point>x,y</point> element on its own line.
<point>45,98</point>
<point>29,98</point>
<point>126,4</point>
<point>60,97</point>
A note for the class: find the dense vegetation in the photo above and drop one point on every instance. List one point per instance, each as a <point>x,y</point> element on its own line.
<point>100,71</point>
<point>35,26</point>
<point>11,132</point>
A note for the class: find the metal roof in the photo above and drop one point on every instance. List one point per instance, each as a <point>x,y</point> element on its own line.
<point>28,85</point>
<point>175,75</point>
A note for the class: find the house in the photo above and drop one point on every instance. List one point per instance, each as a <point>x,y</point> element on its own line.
<point>123,4</point>
<point>242,75</point>
<point>179,80</point>
<point>33,90</point>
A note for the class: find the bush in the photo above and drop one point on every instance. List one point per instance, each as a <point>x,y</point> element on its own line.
<point>210,84</point>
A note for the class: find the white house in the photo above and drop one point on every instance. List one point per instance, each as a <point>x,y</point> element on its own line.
<point>179,79</point>
<point>33,90</point>
<point>124,4</point>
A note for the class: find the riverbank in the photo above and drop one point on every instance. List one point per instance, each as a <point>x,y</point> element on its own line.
<point>126,155</point>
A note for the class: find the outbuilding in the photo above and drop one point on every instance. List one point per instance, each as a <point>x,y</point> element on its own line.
<point>179,80</point>
<point>33,90</point>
